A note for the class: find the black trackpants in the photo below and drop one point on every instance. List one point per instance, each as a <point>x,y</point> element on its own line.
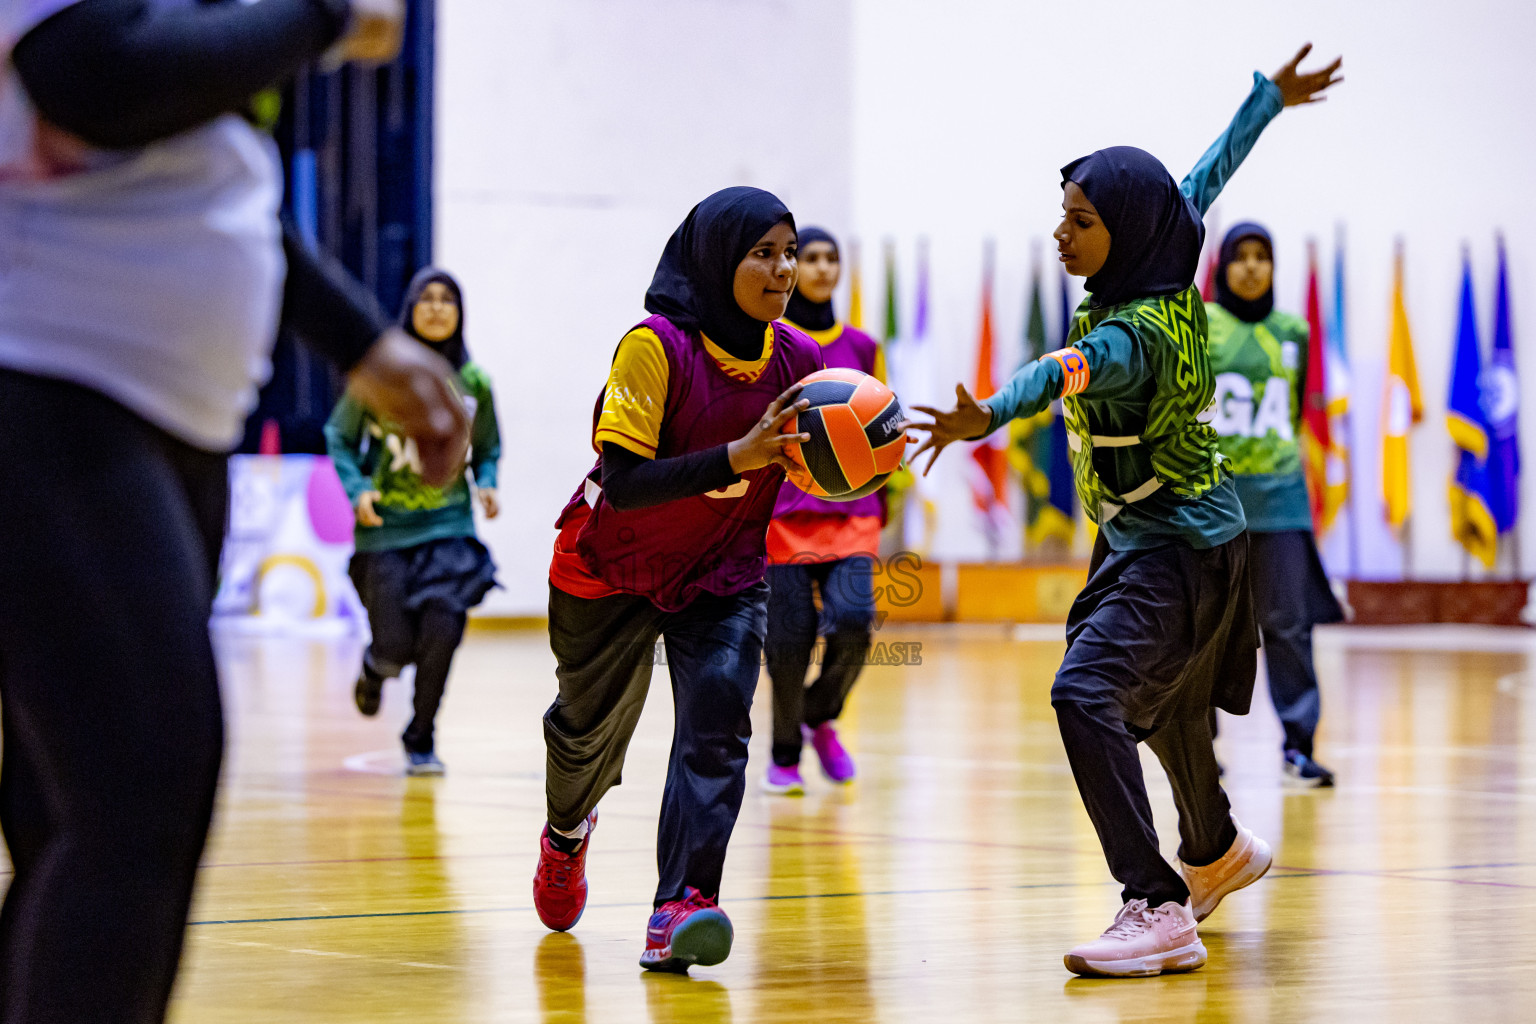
<point>847,613</point>
<point>606,648</point>
<point>109,537</point>
<point>1291,595</point>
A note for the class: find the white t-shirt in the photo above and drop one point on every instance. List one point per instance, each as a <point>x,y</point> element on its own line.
<point>153,276</point>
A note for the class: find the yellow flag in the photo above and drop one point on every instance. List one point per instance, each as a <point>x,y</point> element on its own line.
<point>1402,406</point>
<point>855,290</point>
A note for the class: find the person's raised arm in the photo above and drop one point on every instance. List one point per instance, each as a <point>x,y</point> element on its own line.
<point>1108,362</point>
<point>1288,88</point>
<point>124,73</point>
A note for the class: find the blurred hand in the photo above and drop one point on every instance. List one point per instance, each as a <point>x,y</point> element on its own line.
<point>489,502</point>
<point>404,381</point>
<point>374,34</point>
<point>366,516</point>
<point>967,421</point>
<point>1298,88</point>
<point>763,445</point>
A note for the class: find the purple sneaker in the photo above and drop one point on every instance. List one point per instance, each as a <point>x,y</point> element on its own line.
<point>784,781</point>
<point>835,762</point>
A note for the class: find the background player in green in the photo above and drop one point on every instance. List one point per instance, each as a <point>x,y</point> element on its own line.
<point>1259,356</point>
<point>1164,629</point>
<point>418,565</point>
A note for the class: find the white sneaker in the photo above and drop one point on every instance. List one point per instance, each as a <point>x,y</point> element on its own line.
<point>1143,941</point>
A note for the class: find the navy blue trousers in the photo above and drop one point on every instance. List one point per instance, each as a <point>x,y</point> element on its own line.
<point>847,612</point>
<point>605,649</point>
<point>1290,596</point>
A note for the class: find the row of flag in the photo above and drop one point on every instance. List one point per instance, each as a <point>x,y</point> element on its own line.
<point>1482,413</point>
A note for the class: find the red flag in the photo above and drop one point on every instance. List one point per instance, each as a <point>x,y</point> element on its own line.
<point>989,480</point>
<point>1315,437</point>
<point>1212,257</point>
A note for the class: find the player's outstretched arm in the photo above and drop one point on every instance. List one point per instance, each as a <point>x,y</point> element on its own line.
<point>1290,87</point>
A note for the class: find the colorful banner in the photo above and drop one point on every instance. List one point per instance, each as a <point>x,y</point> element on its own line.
<point>1471,519</point>
<point>1402,406</point>
<point>284,564</point>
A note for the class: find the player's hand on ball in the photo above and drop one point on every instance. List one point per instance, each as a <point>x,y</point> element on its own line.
<point>366,516</point>
<point>968,420</point>
<point>764,445</point>
<point>489,502</point>
<point>374,33</point>
<point>1298,87</point>
<point>402,380</point>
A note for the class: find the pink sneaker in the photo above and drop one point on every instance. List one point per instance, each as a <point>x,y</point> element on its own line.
<point>784,781</point>
<point>1142,942</point>
<point>836,764</point>
<point>692,930</point>
<point>1243,864</point>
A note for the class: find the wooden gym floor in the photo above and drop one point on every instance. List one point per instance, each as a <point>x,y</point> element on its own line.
<point>943,886</point>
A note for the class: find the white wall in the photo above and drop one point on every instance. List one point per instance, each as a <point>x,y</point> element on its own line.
<point>964,112</point>
<point>575,134</point>
<point>573,137</point>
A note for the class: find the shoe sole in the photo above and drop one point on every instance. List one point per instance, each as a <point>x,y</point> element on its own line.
<point>1301,782</point>
<point>1179,961</point>
<point>427,771</point>
<point>793,789</point>
<point>1256,868</point>
<point>703,940</point>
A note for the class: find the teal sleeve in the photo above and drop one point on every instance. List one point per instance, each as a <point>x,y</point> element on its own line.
<point>485,440</point>
<point>1116,367</point>
<point>1211,174</point>
<point>343,442</point>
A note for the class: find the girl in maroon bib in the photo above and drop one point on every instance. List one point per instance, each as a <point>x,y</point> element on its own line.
<point>664,539</point>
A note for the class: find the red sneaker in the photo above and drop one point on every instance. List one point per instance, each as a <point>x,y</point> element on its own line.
<point>560,883</point>
<point>692,930</point>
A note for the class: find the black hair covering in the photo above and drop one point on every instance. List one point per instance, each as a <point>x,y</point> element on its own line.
<point>453,348</point>
<point>802,312</point>
<point>693,282</point>
<point>1244,309</point>
<point>1155,231</point>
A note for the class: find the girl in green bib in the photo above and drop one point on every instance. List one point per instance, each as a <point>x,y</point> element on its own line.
<point>1164,629</point>
<point>1259,357</point>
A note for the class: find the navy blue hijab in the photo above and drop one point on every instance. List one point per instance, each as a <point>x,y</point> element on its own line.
<point>802,312</point>
<point>1155,231</point>
<point>693,285</point>
<point>453,348</point>
<point>1251,310</point>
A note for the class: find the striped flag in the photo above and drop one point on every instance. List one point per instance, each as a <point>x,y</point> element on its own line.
<point>1471,518</point>
<point>1402,406</point>
<point>989,456</point>
<point>855,288</point>
<point>1336,494</point>
<point>1315,435</point>
<point>1501,401</point>
<point>1037,448</point>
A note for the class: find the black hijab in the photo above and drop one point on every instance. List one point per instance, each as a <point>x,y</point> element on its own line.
<point>1253,310</point>
<point>452,348</point>
<point>1155,232</point>
<point>693,282</point>
<point>802,312</point>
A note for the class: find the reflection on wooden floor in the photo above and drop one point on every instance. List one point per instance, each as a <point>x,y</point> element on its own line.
<point>943,886</point>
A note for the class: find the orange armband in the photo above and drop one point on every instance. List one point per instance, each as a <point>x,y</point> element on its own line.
<point>1074,366</point>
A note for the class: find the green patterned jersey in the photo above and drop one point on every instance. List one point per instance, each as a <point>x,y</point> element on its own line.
<point>373,454</point>
<point>1260,375</point>
<point>1124,451</point>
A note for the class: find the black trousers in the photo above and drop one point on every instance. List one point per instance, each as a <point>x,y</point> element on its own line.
<point>606,648</point>
<point>109,537</point>
<point>1158,637</point>
<point>406,632</point>
<point>1290,596</point>
<point>847,613</point>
